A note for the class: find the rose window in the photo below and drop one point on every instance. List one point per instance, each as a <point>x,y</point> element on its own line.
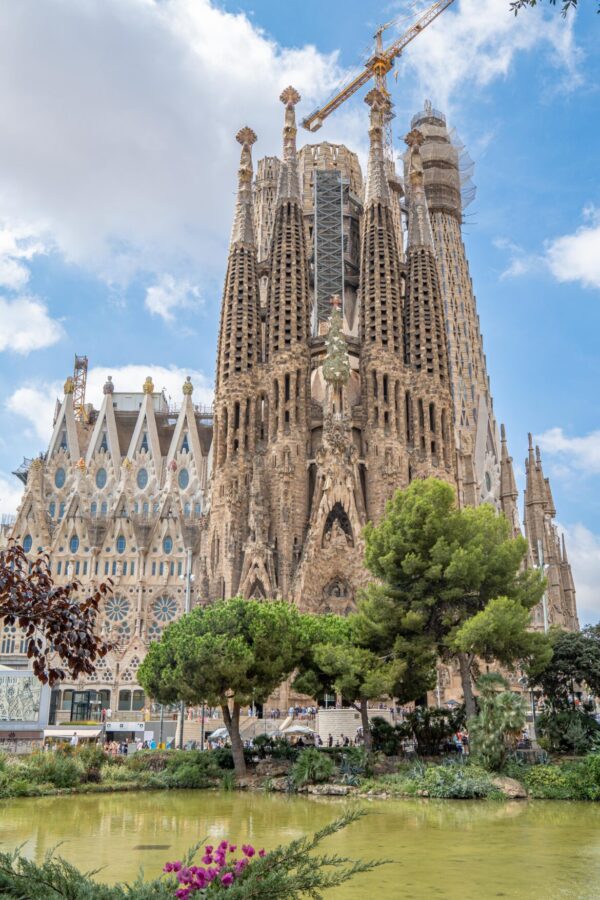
<point>117,608</point>
<point>165,609</point>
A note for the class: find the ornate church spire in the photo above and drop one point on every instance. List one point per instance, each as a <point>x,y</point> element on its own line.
<point>240,332</point>
<point>380,287</point>
<point>425,334</point>
<point>288,304</point>
<point>289,182</point>
<point>508,486</point>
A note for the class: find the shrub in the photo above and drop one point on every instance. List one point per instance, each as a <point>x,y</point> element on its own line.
<point>386,738</point>
<point>458,782</point>
<point>500,718</point>
<point>223,757</point>
<point>567,730</point>
<point>91,756</point>
<point>548,783</point>
<point>190,776</point>
<point>274,747</point>
<point>92,775</point>
<point>432,727</point>
<point>56,769</point>
<point>311,767</point>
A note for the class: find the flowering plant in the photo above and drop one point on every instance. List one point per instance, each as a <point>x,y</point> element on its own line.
<point>220,868</point>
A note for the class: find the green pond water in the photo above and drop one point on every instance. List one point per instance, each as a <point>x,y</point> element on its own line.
<point>440,849</point>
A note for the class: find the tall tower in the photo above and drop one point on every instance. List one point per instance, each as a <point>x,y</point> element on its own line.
<point>546,548</point>
<point>238,418</point>
<point>428,402</point>
<point>383,374</point>
<point>445,167</point>
<point>287,363</point>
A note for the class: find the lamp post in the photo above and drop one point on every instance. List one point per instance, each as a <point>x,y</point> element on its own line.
<point>188,606</point>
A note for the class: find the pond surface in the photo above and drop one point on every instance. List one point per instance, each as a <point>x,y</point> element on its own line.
<point>456,850</point>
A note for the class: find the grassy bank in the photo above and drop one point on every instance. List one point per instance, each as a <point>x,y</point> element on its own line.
<point>89,770</point>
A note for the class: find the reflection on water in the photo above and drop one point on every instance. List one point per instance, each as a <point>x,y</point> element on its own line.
<point>460,850</point>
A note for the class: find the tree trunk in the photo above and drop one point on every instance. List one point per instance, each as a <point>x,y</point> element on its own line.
<point>467,684</point>
<point>364,715</point>
<point>232,723</point>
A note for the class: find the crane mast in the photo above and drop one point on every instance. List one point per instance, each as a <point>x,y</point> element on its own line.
<point>377,66</point>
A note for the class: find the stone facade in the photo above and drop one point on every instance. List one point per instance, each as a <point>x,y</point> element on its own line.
<point>316,420</point>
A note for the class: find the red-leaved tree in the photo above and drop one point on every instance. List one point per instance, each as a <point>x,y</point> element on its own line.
<point>59,627</point>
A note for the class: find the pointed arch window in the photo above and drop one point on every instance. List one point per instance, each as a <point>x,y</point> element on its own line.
<point>27,543</point>
<point>63,440</point>
<point>183,478</point>
<point>121,544</point>
<point>186,510</point>
<point>74,544</point>
<point>185,443</point>
<point>142,479</point>
<point>52,509</point>
<point>94,510</point>
<point>61,511</point>
<point>101,479</point>
<point>60,477</point>
<point>104,508</point>
<point>104,442</point>
<point>167,544</point>
<point>144,442</point>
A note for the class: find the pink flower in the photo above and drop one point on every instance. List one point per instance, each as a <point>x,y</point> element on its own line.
<point>207,859</point>
<point>232,848</point>
<point>223,845</point>
<point>261,853</point>
<point>208,848</point>
<point>227,879</point>
<point>248,850</point>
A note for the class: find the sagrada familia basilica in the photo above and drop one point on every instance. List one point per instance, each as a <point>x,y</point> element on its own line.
<point>350,361</point>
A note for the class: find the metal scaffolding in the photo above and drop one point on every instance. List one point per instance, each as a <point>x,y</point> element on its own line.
<point>328,242</point>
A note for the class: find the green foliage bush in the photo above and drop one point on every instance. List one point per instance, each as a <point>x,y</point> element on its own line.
<point>56,769</point>
<point>501,717</point>
<point>311,767</point>
<point>452,781</point>
<point>578,780</point>
<point>567,730</point>
<point>274,748</point>
<point>432,727</point>
<point>386,738</point>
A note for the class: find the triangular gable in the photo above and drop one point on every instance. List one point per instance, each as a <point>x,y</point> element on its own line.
<point>106,425</point>
<point>186,425</point>
<point>146,423</point>
<point>65,431</point>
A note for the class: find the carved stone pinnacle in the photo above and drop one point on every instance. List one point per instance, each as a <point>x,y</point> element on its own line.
<point>414,138</point>
<point>290,96</point>
<point>375,98</point>
<point>246,136</point>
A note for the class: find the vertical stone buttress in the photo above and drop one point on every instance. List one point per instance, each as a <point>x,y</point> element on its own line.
<point>237,421</point>
<point>473,405</point>
<point>428,402</point>
<point>508,487</point>
<point>383,374</point>
<point>287,361</point>
<point>546,548</point>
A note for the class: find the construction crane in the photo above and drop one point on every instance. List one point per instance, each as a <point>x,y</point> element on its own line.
<point>79,380</point>
<point>378,65</point>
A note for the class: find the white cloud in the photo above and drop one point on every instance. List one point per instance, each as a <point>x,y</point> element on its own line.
<point>26,325</point>
<point>18,245</point>
<point>476,41</point>
<point>576,257</point>
<point>10,494</point>
<point>169,295</point>
<point>36,401</point>
<point>119,123</point>
<point>572,453</point>
<point>520,262</point>
<point>583,550</point>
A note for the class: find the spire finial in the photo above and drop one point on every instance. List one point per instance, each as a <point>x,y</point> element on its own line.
<point>530,439</point>
<point>109,387</point>
<point>419,225</point>
<point>188,387</point>
<point>377,183</point>
<point>148,386</point>
<point>69,385</point>
<point>243,223</point>
<point>502,433</point>
<point>289,183</point>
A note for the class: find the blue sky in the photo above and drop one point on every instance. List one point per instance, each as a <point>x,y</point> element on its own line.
<point>117,179</point>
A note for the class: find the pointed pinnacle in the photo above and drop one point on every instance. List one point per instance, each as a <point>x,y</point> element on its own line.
<point>503,434</point>
<point>414,138</point>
